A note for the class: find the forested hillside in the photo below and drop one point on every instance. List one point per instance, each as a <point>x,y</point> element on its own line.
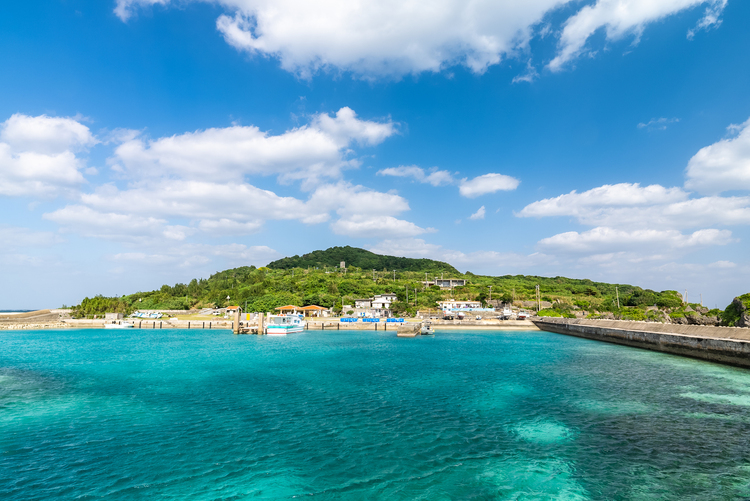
<point>263,289</point>
<point>361,258</point>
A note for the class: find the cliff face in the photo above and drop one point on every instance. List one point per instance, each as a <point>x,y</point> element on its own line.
<point>744,314</point>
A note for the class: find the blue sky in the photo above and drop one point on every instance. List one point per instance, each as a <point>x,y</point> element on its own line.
<point>145,142</point>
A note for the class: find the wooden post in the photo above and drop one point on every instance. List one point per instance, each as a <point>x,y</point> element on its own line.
<point>204,325</point>
<point>260,323</point>
<point>236,322</point>
<point>188,324</point>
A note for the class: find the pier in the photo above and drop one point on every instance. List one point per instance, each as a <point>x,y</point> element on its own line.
<point>726,345</point>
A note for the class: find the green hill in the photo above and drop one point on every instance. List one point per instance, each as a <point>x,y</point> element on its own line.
<point>361,258</point>
<point>316,278</point>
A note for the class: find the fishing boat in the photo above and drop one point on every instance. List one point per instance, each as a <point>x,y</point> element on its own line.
<point>523,315</point>
<point>281,325</point>
<point>426,329</point>
<point>507,313</point>
<point>123,325</point>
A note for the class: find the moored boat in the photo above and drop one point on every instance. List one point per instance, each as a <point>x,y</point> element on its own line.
<point>281,325</point>
<point>426,329</point>
<point>123,325</point>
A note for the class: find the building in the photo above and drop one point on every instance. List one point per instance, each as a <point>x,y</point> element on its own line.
<point>383,301</point>
<point>363,303</point>
<point>308,311</point>
<point>113,316</point>
<point>288,309</point>
<point>445,283</point>
<point>459,305</point>
<point>314,310</point>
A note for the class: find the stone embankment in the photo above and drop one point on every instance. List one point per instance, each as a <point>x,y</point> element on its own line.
<point>728,345</point>
<point>41,319</point>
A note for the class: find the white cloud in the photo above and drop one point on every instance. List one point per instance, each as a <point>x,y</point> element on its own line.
<point>228,209</point>
<point>722,166</point>
<point>711,18</point>
<point>432,176</point>
<point>620,18</point>
<point>15,237</point>
<point>406,247</point>
<point>113,226</point>
<point>124,8</point>
<point>657,123</point>
<point>376,227</point>
<point>38,155</point>
<point>479,214</point>
<point>487,183</point>
<point>374,38</point>
<point>647,241</point>
<point>313,152</point>
<point>191,255</point>
<point>722,264</point>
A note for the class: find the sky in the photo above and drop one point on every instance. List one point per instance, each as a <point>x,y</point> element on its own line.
<point>145,142</point>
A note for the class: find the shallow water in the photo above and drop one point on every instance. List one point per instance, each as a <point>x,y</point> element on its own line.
<point>205,415</point>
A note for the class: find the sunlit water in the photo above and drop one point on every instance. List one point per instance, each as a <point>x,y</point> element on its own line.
<point>177,414</point>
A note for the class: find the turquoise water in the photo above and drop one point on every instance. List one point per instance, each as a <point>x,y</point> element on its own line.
<point>205,415</point>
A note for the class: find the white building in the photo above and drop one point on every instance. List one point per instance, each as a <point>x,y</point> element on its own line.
<point>458,305</point>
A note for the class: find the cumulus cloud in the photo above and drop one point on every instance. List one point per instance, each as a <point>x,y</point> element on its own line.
<point>722,166</point>
<point>603,240</point>
<point>40,155</point>
<point>631,206</point>
<point>114,226</point>
<point>191,255</point>
<point>487,183</point>
<point>620,18</point>
<point>229,209</point>
<point>376,227</point>
<point>374,38</point>
<point>479,214</point>
<point>312,152</point>
<point>433,176</point>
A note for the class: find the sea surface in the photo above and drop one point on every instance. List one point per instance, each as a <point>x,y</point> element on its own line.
<point>206,415</point>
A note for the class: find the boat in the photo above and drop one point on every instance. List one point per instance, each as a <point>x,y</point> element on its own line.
<point>460,315</point>
<point>426,329</point>
<point>523,315</point>
<point>118,326</point>
<point>281,325</point>
<point>507,313</point>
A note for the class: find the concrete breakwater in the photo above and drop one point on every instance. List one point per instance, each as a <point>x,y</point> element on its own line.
<point>727,345</point>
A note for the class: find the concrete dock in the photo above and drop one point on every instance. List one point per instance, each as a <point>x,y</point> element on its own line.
<point>726,345</point>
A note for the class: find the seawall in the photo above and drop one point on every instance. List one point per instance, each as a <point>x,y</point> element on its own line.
<point>727,345</point>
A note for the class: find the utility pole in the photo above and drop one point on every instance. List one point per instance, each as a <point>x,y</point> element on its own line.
<point>415,298</point>
<point>394,275</point>
<point>407,294</point>
<point>701,299</point>
<point>538,298</point>
<point>373,274</point>
<point>617,293</point>
<point>686,298</point>
<point>490,293</point>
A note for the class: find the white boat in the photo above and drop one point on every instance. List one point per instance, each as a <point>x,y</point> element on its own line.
<point>118,326</point>
<point>281,325</point>
<point>523,315</point>
<point>426,329</point>
<point>507,313</point>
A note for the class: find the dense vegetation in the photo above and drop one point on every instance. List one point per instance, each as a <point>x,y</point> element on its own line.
<point>360,258</point>
<point>731,315</point>
<point>263,289</point>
